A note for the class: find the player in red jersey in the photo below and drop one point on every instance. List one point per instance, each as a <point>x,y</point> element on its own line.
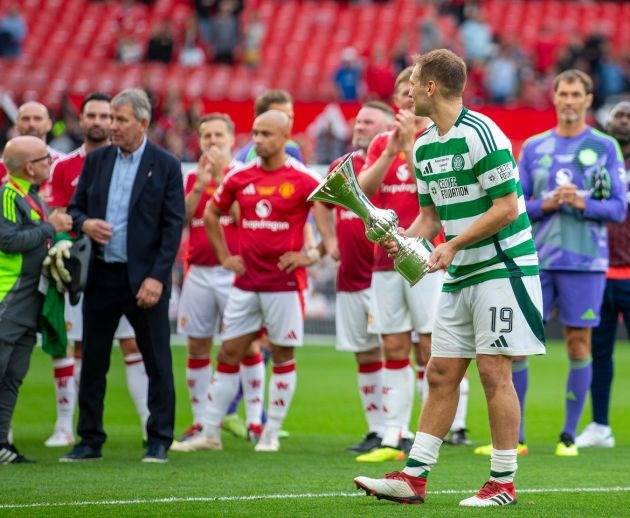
<point>271,192</point>
<point>207,282</point>
<point>345,240</point>
<point>399,308</point>
<point>95,122</point>
<point>33,119</point>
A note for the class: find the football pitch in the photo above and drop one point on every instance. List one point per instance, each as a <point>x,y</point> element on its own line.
<point>312,475</point>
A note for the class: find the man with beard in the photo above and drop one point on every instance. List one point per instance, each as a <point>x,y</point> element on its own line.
<point>616,300</point>
<point>95,121</point>
<point>571,178</point>
<point>33,119</point>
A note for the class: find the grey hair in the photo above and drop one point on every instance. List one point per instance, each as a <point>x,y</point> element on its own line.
<point>15,164</point>
<point>139,101</point>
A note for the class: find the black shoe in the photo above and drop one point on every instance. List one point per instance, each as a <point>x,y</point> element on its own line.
<point>369,442</point>
<point>567,439</point>
<point>10,455</point>
<point>458,438</point>
<point>405,445</point>
<point>82,452</point>
<point>156,453</point>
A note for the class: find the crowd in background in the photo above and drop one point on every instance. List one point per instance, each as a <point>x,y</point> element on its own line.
<point>501,72</point>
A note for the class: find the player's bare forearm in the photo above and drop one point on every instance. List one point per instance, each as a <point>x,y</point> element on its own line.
<point>191,202</point>
<point>215,233</point>
<point>324,220</point>
<point>427,224</point>
<point>503,211</point>
<point>370,178</point>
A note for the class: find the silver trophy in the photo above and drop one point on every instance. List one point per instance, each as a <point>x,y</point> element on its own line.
<point>340,187</point>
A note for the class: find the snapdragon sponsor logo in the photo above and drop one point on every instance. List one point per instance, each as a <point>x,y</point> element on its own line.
<point>264,224</point>
<point>347,215</point>
<point>398,188</point>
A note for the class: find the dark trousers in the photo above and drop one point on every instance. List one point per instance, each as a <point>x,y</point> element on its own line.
<point>108,296</point>
<point>15,358</point>
<point>616,301</point>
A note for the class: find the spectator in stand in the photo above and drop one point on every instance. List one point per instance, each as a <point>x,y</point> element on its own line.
<point>610,74</point>
<point>430,33</point>
<point>224,35</point>
<point>502,76</point>
<point>160,46</point>
<point>476,36</point>
<point>545,50</point>
<point>254,34</point>
<point>191,55</point>
<point>129,51</point>
<point>12,33</point>
<point>348,76</point>
<point>380,75</point>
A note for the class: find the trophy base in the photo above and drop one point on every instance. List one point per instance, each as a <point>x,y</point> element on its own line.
<point>412,261</point>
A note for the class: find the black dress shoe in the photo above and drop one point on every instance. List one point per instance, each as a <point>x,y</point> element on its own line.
<point>156,453</point>
<point>10,455</point>
<point>82,452</point>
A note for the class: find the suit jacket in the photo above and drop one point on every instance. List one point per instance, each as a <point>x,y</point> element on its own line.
<point>156,210</point>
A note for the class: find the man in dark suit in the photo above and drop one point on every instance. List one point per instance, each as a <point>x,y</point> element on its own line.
<point>130,202</point>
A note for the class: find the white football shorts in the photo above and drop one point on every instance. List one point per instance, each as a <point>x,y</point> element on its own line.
<point>74,323</point>
<point>352,312</point>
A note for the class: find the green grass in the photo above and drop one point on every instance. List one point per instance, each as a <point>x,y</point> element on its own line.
<point>324,419</point>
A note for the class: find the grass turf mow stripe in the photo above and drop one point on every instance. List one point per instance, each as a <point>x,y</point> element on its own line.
<point>189,499</point>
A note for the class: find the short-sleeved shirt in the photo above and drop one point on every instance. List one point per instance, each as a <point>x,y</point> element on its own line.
<point>571,239</point>
<point>460,173</point>
<point>199,250</point>
<point>64,177</point>
<point>356,253</point>
<point>397,191</point>
<point>274,210</point>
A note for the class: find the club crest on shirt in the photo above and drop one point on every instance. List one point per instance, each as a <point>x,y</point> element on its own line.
<point>402,173</point>
<point>457,163</point>
<point>263,209</point>
<point>564,176</point>
<point>587,157</point>
<point>286,189</point>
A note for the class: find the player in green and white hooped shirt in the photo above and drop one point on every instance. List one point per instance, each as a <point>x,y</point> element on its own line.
<point>491,304</point>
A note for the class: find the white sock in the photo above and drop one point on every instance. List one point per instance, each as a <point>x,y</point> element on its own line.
<point>397,391</point>
<point>462,406</point>
<point>253,383</point>
<point>281,389</point>
<point>423,455</point>
<point>78,362</point>
<point>223,389</point>
<point>198,374</point>
<point>65,393</point>
<point>138,385</point>
<point>371,393</point>
<point>503,466</point>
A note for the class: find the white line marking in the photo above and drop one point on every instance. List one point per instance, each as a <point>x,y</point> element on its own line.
<point>292,496</point>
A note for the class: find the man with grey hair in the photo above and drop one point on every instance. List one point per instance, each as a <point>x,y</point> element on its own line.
<point>130,202</point>
<point>25,232</point>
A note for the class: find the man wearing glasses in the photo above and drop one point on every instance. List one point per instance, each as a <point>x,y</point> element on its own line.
<point>25,232</point>
<point>33,119</point>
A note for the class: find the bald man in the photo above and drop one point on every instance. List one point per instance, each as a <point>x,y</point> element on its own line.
<point>25,233</point>
<point>271,192</point>
<point>34,120</point>
<point>616,301</point>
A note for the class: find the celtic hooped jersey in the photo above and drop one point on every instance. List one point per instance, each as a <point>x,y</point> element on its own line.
<point>460,173</point>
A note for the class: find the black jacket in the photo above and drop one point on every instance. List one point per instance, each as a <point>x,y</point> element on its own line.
<point>156,210</point>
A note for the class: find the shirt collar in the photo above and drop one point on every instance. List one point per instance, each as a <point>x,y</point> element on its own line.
<point>135,156</point>
<point>22,184</point>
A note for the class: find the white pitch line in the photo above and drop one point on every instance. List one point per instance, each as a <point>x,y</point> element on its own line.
<point>292,496</point>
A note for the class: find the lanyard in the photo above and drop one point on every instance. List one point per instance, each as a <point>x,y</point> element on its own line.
<point>31,202</point>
